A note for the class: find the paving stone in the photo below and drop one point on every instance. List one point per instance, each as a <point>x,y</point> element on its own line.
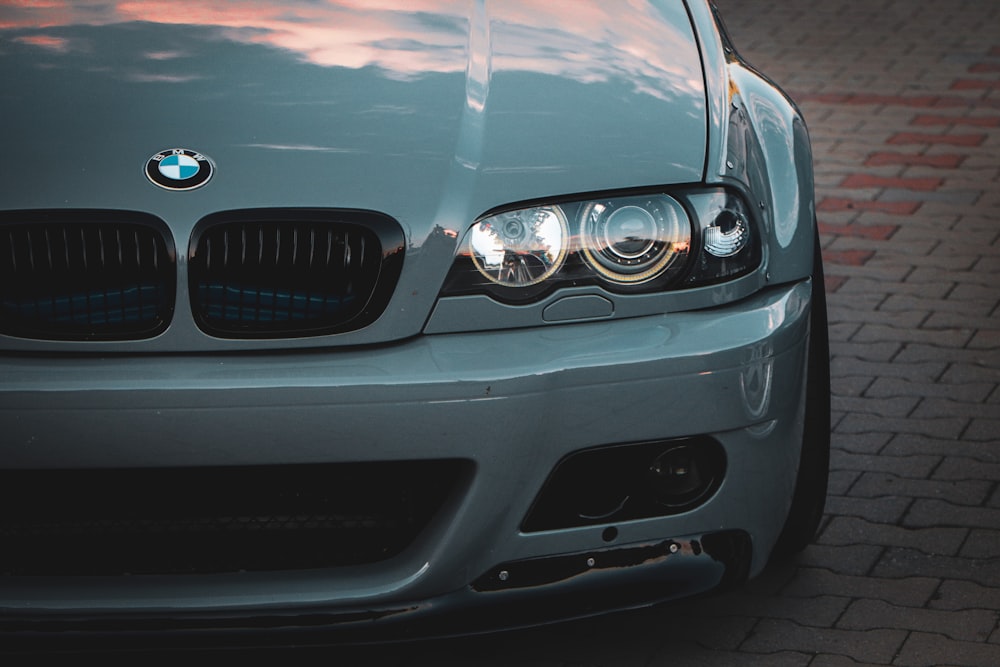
<point>983,543</point>
<point>855,559</point>
<point>986,339</point>
<point>971,240</point>
<point>970,292</point>
<point>960,595</point>
<point>950,196</point>
<point>903,302</point>
<point>899,406</point>
<point>914,467</point>
<point>932,650</point>
<point>985,430</point>
<point>842,661</point>
<point>842,331</point>
<point>820,611</point>
<point>879,333</point>
<point>944,427</point>
<point>972,625</point>
<point>850,386</point>
<point>930,370</point>
<point>930,275</point>
<point>875,646</point>
<point>953,320</point>
<point>909,563</point>
<point>864,285</point>
<point>726,633</point>
<point>843,311</point>
<point>959,492</point>
<point>931,408</point>
<point>912,249</point>
<point>867,351</point>
<point>974,392</point>
<point>919,353</point>
<point>908,591</point>
<point>841,481</point>
<point>968,372</point>
<point>695,656</point>
<point>861,443</point>
<point>957,468</point>
<point>906,444</point>
<point>926,512</point>
<point>891,262</point>
<point>888,510</point>
<point>853,531</point>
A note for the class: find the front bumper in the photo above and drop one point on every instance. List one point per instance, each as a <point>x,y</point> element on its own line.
<point>605,580</point>
<point>513,403</point>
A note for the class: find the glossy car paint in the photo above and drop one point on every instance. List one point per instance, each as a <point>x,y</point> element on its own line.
<point>434,115</point>
<point>508,105</point>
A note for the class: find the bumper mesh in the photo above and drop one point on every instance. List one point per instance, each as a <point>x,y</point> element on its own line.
<point>175,521</point>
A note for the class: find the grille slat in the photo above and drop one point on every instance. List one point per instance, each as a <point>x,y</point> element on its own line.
<point>283,280</point>
<point>84,275</point>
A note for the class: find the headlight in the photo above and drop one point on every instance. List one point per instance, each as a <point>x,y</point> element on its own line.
<point>634,244</point>
<point>631,242</point>
<point>520,248</point>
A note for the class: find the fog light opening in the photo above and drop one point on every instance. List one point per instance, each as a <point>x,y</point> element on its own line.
<point>682,475</point>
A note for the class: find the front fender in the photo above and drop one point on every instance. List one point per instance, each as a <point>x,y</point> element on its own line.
<point>759,142</point>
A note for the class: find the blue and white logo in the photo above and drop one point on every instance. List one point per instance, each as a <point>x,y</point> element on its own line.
<point>179,169</point>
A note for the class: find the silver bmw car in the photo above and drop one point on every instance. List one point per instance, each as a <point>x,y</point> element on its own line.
<point>359,320</point>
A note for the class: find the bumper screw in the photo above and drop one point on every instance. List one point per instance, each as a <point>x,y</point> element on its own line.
<point>674,548</point>
<point>591,562</point>
<point>504,575</point>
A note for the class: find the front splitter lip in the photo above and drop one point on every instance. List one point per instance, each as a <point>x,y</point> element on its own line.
<point>510,596</point>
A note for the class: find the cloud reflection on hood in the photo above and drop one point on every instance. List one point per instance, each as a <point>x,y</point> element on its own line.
<point>574,40</point>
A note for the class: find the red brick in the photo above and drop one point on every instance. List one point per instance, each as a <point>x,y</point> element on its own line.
<point>848,257</point>
<point>975,84</point>
<point>949,161</point>
<point>869,181</point>
<point>984,68</point>
<point>894,100</point>
<point>874,232</point>
<point>824,98</point>
<point>978,121</point>
<point>946,139</point>
<point>872,99</point>
<point>966,102</point>
<point>913,101</point>
<point>893,207</point>
<point>833,283</point>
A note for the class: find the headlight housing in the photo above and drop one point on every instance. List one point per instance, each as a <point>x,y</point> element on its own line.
<point>632,244</point>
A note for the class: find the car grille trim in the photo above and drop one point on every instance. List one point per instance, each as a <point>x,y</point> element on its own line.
<point>85,275</point>
<point>292,272</point>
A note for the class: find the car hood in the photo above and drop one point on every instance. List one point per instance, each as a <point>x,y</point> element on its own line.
<point>433,112</point>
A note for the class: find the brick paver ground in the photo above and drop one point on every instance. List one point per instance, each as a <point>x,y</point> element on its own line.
<point>902,98</point>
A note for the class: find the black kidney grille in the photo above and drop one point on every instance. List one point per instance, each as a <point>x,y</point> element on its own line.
<point>214,520</point>
<point>300,274</point>
<point>87,276</point>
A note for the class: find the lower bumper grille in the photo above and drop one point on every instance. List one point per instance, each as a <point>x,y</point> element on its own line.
<point>188,521</point>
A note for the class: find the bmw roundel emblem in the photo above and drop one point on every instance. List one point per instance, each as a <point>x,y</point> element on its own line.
<point>179,169</point>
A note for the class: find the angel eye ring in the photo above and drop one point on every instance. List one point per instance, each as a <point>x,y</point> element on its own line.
<point>635,240</point>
